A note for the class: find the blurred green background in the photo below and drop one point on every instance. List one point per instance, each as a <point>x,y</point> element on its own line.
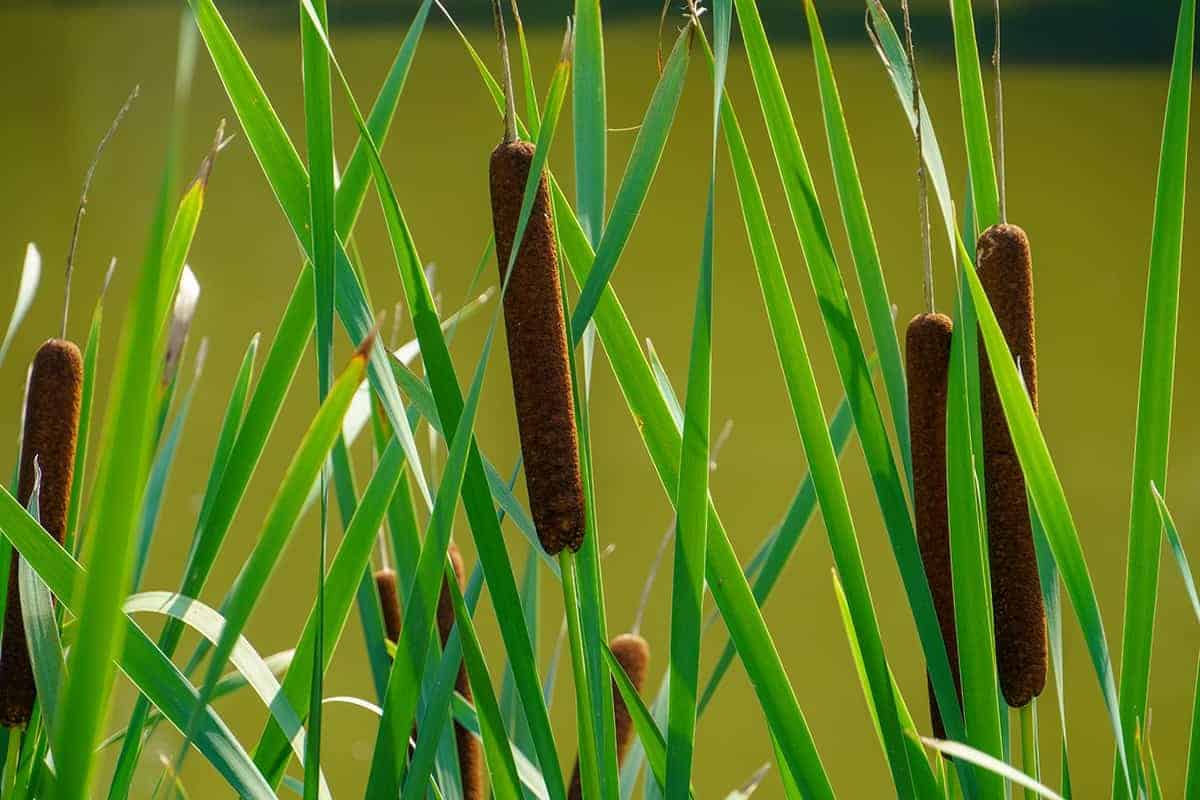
<point>1084,88</point>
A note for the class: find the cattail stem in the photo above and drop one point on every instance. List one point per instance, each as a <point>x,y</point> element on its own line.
<point>1000,165</point>
<point>470,758</point>
<point>633,654</point>
<point>1006,272</point>
<point>927,362</point>
<point>50,432</point>
<point>537,352</point>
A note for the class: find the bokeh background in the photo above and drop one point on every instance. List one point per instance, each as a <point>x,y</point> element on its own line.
<point>1085,84</point>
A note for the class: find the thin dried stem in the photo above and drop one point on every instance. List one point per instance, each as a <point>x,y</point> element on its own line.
<point>83,199</point>
<point>650,577</point>
<point>922,180</point>
<point>510,103</point>
<point>1000,165</point>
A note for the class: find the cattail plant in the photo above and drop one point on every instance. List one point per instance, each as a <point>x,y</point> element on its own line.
<point>927,364</point>
<point>633,654</point>
<point>470,759</point>
<point>537,342</point>
<point>51,428</point>
<point>1006,273</point>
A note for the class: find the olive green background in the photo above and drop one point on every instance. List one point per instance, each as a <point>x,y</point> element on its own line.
<point>1082,149</point>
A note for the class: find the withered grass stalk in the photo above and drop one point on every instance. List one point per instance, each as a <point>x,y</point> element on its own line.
<point>51,429</point>
<point>1006,272</point>
<point>927,363</point>
<point>537,352</point>
<point>633,654</point>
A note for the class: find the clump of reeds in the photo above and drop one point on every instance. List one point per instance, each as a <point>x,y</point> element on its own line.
<point>470,759</point>
<point>537,342</point>
<point>927,363</point>
<point>1006,272</point>
<point>51,428</point>
<point>633,654</point>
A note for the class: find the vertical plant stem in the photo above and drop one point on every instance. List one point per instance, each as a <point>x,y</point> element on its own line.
<point>1030,757</point>
<point>588,757</point>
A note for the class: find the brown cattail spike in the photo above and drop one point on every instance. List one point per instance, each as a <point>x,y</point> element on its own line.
<point>51,427</point>
<point>537,353</point>
<point>470,758</point>
<point>1006,272</point>
<point>633,654</point>
<point>927,361</point>
<point>389,603</point>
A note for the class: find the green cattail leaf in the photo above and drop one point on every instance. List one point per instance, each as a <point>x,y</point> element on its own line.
<point>589,111</point>
<point>639,172</point>
<point>1156,382</point>
<point>91,356</point>
<point>160,472</point>
<point>862,241</point>
<point>647,730</point>
<point>1181,560</point>
<point>1192,779</point>
<point>973,613</point>
<point>318,127</point>
<point>143,663</point>
<point>924,779</point>
<point>991,764</point>
<point>126,449</point>
<point>980,163</point>
<point>41,630</point>
<point>244,658</point>
<point>691,526</point>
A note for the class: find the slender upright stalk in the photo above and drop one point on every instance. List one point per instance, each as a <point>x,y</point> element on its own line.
<point>588,755</point>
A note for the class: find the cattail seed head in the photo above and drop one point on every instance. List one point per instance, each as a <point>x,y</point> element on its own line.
<point>1006,273</point>
<point>633,654</point>
<point>470,757</point>
<point>51,428</point>
<point>927,363</point>
<point>389,603</point>
<point>537,352</point>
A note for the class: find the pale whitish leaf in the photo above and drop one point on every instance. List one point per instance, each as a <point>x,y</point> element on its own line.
<point>186,299</point>
<point>31,275</point>
<point>354,701</point>
<point>244,658</point>
<point>748,788</point>
<point>1007,771</point>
